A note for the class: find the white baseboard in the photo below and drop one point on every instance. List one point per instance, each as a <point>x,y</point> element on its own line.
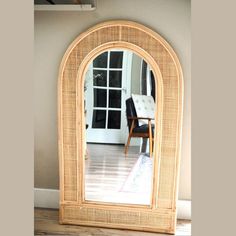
<point>184,209</point>
<point>49,198</point>
<point>46,198</point>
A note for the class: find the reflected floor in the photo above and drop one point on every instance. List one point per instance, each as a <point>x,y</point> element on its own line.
<point>108,172</point>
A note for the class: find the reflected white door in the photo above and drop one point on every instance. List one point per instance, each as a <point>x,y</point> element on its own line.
<point>108,86</point>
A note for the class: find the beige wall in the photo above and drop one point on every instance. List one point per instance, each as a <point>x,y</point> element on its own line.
<point>135,74</point>
<point>135,87</point>
<point>54,31</point>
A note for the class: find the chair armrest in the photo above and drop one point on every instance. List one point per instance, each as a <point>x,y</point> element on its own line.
<point>140,118</point>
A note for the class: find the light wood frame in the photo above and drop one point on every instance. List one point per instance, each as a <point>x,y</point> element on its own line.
<point>160,216</point>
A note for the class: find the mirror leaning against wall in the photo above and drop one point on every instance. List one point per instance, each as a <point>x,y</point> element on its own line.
<point>119,97</point>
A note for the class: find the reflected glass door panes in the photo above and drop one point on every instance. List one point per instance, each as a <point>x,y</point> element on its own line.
<point>101,61</point>
<point>100,97</point>
<point>107,90</point>
<point>115,98</point>
<point>100,78</point>
<point>114,119</point>
<point>115,79</point>
<point>116,59</point>
<point>99,119</point>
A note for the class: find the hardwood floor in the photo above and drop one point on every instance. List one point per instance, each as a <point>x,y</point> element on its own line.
<point>106,171</point>
<point>46,223</point>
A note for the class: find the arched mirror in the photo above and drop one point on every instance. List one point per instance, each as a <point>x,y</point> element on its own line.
<point>120,103</point>
<point>120,124</point>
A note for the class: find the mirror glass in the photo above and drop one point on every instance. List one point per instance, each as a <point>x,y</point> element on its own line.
<point>120,116</point>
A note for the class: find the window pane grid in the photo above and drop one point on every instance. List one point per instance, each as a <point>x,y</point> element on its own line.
<point>107,86</point>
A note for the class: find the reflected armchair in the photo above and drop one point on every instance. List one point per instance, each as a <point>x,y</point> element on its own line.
<point>136,130</point>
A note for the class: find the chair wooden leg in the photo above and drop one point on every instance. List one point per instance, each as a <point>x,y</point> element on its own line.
<point>127,145</point>
<point>150,137</point>
<point>151,146</point>
<point>130,135</point>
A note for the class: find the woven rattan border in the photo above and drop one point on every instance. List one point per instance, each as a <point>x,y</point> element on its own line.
<point>160,216</point>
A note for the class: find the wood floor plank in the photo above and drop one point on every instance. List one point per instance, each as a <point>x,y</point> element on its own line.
<point>106,171</point>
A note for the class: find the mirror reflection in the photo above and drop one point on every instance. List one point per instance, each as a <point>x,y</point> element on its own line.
<point>120,116</point>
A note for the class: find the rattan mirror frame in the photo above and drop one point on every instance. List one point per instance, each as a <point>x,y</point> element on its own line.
<point>160,216</point>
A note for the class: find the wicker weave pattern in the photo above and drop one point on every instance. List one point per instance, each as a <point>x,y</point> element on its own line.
<point>167,71</point>
<point>86,216</point>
